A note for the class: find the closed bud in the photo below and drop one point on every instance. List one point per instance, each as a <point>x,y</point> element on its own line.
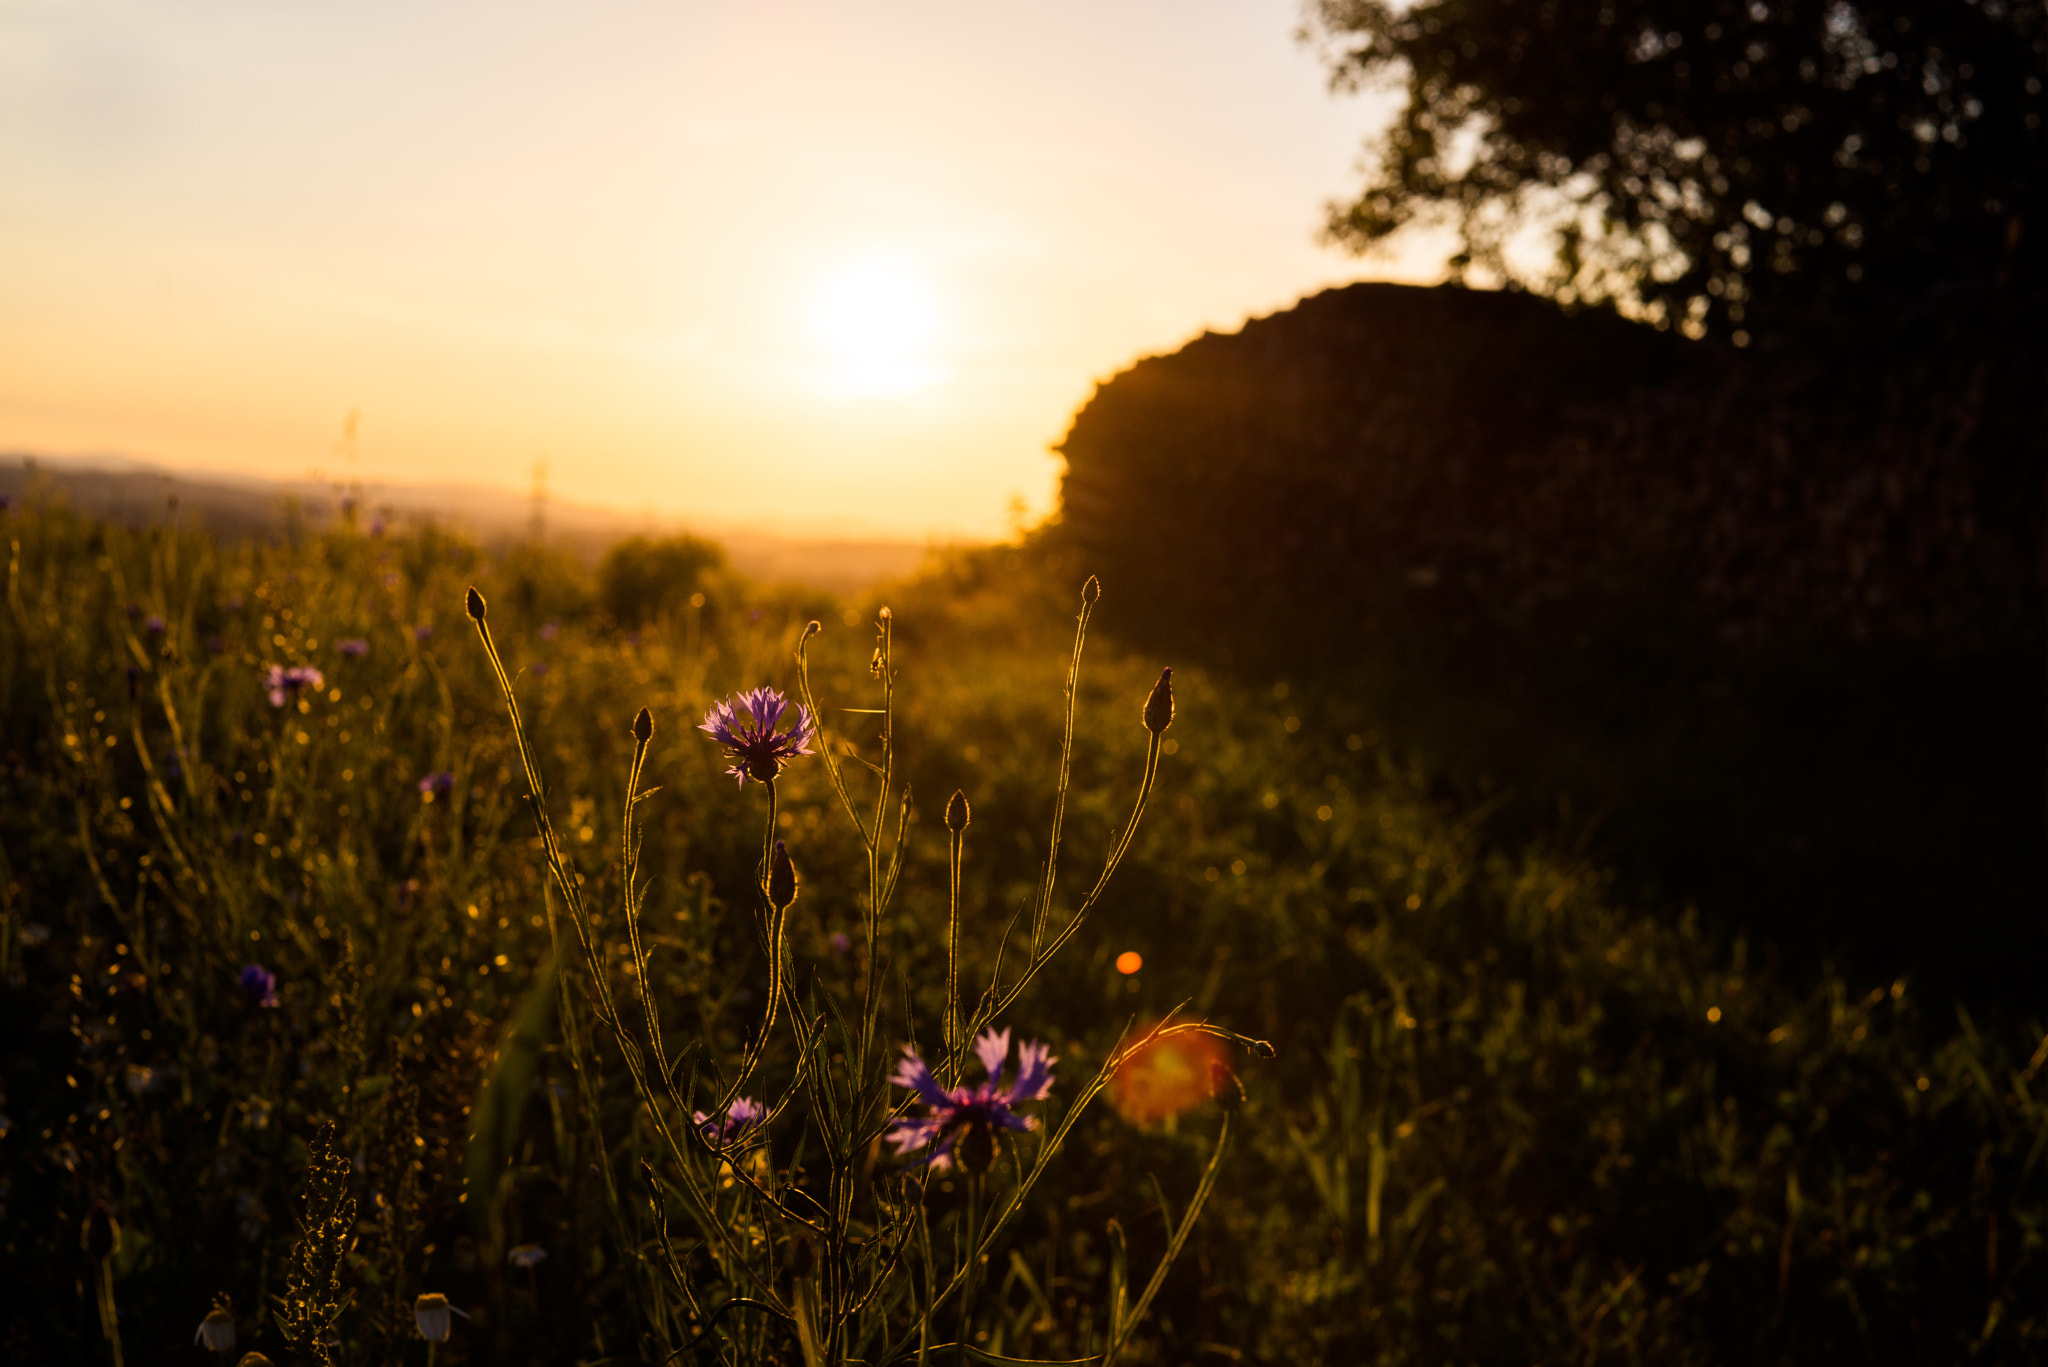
<point>473,603</point>
<point>1224,1086</point>
<point>1091,590</point>
<point>253,1359</point>
<point>643,726</point>
<point>957,812</point>
<point>977,1148</point>
<point>781,878</point>
<point>799,1257</point>
<point>1159,707</point>
<point>100,1236</point>
<point>811,628</point>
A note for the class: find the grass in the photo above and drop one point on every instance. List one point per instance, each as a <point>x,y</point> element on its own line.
<point>1509,1118</point>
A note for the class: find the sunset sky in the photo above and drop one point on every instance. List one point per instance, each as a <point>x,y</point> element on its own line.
<point>813,267</point>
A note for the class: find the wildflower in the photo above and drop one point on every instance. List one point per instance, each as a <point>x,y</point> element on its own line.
<point>745,725</point>
<point>550,630</point>
<point>259,985</point>
<point>376,526</point>
<point>355,647</point>
<point>217,1331</point>
<point>744,1115</point>
<point>34,933</point>
<point>540,669</point>
<point>841,942</point>
<point>967,1118</point>
<point>525,1257</point>
<point>439,784</point>
<point>423,631</point>
<point>406,892</point>
<point>431,1312</point>
<point>215,645</point>
<point>154,625</point>
<point>285,683</point>
<point>235,603</point>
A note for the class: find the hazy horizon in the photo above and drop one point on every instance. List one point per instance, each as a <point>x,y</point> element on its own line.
<point>780,265</point>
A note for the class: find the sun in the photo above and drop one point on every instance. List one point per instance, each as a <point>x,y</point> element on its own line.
<point>876,320</point>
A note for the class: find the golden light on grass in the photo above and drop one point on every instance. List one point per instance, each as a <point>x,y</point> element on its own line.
<point>1165,1076</point>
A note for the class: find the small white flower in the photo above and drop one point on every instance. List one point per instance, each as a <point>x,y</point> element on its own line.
<point>431,1312</point>
<point>524,1256</point>
<point>216,1332</point>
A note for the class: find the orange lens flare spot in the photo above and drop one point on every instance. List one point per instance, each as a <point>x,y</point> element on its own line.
<point>1129,962</point>
<point>1165,1076</point>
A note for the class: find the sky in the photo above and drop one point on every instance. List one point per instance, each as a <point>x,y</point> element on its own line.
<point>843,268</point>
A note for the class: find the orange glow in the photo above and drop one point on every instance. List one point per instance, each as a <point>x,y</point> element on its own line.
<point>821,269</point>
<point>1129,962</point>
<point>1167,1075</point>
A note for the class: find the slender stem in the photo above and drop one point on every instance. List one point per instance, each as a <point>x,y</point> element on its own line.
<point>954,842</point>
<point>1180,1238</point>
<point>973,1259</point>
<point>1059,801</point>
<point>110,1319</point>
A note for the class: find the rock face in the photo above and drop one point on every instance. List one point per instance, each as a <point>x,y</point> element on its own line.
<point>1777,612</point>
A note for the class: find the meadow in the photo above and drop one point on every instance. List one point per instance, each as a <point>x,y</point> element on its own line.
<point>303,1017</point>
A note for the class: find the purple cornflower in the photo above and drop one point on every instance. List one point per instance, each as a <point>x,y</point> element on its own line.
<point>440,783</point>
<point>550,631</point>
<point>743,1115</point>
<point>153,624</point>
<point>259,985</point>
<point>970,1115</point>
<point>284,683</point>
<point>423,631</point>
<point>355,647</point>
<point>745,725</point>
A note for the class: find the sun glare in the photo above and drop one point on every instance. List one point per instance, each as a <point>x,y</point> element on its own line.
<point>875,321</point>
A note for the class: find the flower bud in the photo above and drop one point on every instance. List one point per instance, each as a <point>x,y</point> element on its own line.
<point>643,726</point>
<point>977,1149</point>
<point>957,812</point>
<point>473,603</point>
<point>1091,591</point>
<point>253,1359</point>
<point>781,878</point>
<point>100,1236</point>
<point>811,628</point>
<point>1159,707</point>
<point>217,1331</point>
<point>1224,1086</point>
<point>431,1310</point>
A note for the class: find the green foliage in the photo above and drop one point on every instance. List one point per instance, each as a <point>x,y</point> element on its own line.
<point>643,579</point>
<point>1702,158</point>
<point>1512,1118</point>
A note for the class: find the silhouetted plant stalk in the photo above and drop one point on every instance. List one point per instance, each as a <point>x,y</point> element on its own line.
<point>851,1275</point>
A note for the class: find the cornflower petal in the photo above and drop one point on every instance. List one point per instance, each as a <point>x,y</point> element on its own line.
<point>992,1047</point>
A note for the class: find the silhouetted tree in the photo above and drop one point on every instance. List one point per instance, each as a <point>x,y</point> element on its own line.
<point>641,579</point>
<point>1699,158</point>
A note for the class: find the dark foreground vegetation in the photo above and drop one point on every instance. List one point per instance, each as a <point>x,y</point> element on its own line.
<point>1514,1115</point>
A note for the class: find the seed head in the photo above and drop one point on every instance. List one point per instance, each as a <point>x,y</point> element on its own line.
<point>473,603</point>
<point>781,878</point>
<point>643,726</point>
<point>1159,707</point>
<point>957,812</point>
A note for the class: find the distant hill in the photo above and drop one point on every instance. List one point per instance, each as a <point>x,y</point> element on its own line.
<point>234,506</point>
<point>1770,621</point>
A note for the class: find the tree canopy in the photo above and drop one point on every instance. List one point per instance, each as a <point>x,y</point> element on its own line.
<point>1699,159</point>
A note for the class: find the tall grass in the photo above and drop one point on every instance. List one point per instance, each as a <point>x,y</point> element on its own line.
<point>1509,1118</point>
